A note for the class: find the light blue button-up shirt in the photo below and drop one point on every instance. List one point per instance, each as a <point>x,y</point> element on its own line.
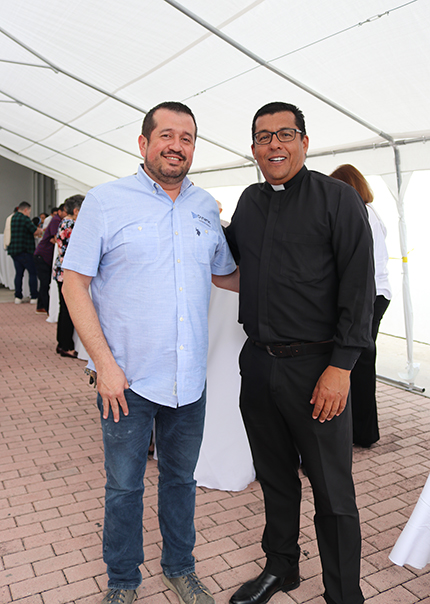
<point>151,262</point>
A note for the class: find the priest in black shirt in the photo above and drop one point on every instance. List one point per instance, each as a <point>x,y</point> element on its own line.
<point>304,247</point>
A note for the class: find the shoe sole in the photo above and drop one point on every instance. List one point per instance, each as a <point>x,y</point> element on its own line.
<point>290,587</point>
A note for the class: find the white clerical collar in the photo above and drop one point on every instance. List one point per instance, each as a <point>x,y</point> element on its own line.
<point>278,187</point>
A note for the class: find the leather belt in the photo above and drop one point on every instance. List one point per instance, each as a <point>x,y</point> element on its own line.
<point>296,349</point>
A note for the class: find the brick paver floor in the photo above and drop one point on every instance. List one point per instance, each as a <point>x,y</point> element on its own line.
<point>51,491</point>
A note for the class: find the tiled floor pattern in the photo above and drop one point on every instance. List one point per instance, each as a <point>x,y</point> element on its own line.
<point>51,491</point>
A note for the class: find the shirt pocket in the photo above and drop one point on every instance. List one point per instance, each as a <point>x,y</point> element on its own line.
<point>304,257</point>
<point>141,242</point>
<point>205,244</point>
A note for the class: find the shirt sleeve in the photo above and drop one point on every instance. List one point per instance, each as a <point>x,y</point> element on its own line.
<point>223,262</point>
<point>353,247</point>
<point>30,226</point>
<point>84,250</point>
<point>51,230</point>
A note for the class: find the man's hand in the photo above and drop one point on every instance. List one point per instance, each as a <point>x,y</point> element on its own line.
<point>330,394</point>
<point>111,383</point>
<point>111,380</point>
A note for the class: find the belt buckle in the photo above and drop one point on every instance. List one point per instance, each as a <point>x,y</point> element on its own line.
<point>269,350</point>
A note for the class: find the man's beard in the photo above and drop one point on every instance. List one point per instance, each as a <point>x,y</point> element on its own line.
<point>168,175</point>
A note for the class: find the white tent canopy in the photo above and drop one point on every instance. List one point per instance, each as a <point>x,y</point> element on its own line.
<point>76,79</point>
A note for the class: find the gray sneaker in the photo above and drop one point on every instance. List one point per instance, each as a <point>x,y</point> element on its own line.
<point>189,589</point>
<point>120,596</point>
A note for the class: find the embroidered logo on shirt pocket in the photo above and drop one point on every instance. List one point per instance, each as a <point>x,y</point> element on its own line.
<point>205,242</point>
<point>141,242</point>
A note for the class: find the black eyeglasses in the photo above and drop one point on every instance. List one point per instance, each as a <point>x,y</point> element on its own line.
<point>285,135</point>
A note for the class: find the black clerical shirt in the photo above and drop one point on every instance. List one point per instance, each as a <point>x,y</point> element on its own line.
<point>306,264</point>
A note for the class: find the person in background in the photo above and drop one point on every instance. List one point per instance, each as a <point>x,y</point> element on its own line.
<point>65,328</point>
<point>48,219</point>
<point>37,237</point>
<point>7,229</point>
<point>148,245</point>
<point>43,256</point>
<point>304,248</point>
<point>365,429</point>
<point>21,248</point>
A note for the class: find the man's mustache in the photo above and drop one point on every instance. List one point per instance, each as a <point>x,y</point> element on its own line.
<point>172,154</point>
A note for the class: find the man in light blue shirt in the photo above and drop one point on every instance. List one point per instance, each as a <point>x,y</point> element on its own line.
<point>149,244</point>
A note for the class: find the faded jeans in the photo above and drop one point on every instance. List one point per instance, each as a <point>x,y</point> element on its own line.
<point>178,438</point>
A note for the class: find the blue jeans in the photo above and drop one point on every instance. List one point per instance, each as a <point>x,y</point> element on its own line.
<point>178,438</point>
<point>24,261</point>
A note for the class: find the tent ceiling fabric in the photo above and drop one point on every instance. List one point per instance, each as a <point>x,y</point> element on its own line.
<point>370,57</point>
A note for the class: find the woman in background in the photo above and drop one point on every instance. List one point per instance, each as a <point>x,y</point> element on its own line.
<point>363,376</point>
<point>65,328</point>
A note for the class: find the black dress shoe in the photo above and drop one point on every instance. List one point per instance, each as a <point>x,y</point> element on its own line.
<point>261,589</point>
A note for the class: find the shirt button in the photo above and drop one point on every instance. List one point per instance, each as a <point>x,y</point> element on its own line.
<point>176,232</point>
<point>179,260</point>
<point>181,318</point>
<point>206,231</point>
<point>181,347</point>
<point>180,289</point>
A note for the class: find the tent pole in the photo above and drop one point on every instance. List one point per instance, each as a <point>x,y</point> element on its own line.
<point>107,94</point>
<point>278,72</point>
<point>411,368</point>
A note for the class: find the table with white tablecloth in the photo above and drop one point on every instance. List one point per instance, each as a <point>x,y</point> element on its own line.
<point>225,460</point>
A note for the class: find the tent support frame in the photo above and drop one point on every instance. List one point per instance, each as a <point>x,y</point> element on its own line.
<point>399,197</point>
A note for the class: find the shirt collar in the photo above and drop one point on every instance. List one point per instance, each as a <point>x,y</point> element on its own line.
<point>296,178</point>
<point>154,186</point>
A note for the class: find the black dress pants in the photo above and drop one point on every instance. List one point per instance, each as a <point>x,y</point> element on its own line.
<point>275,406</point>
<point>365,429</point>
<point>65,327</point>
<point>44,273</point>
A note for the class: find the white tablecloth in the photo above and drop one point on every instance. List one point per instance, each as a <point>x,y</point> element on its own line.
<point>413,545</point>
<point>225,460</point>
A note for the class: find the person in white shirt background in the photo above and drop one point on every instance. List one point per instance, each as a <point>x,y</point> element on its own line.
<point>363,376</point>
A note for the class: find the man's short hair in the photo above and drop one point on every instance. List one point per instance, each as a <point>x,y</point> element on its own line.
<point>149,123</point>
<point>75,201</point>
<point>24,205</point>
<point>279,107</point>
